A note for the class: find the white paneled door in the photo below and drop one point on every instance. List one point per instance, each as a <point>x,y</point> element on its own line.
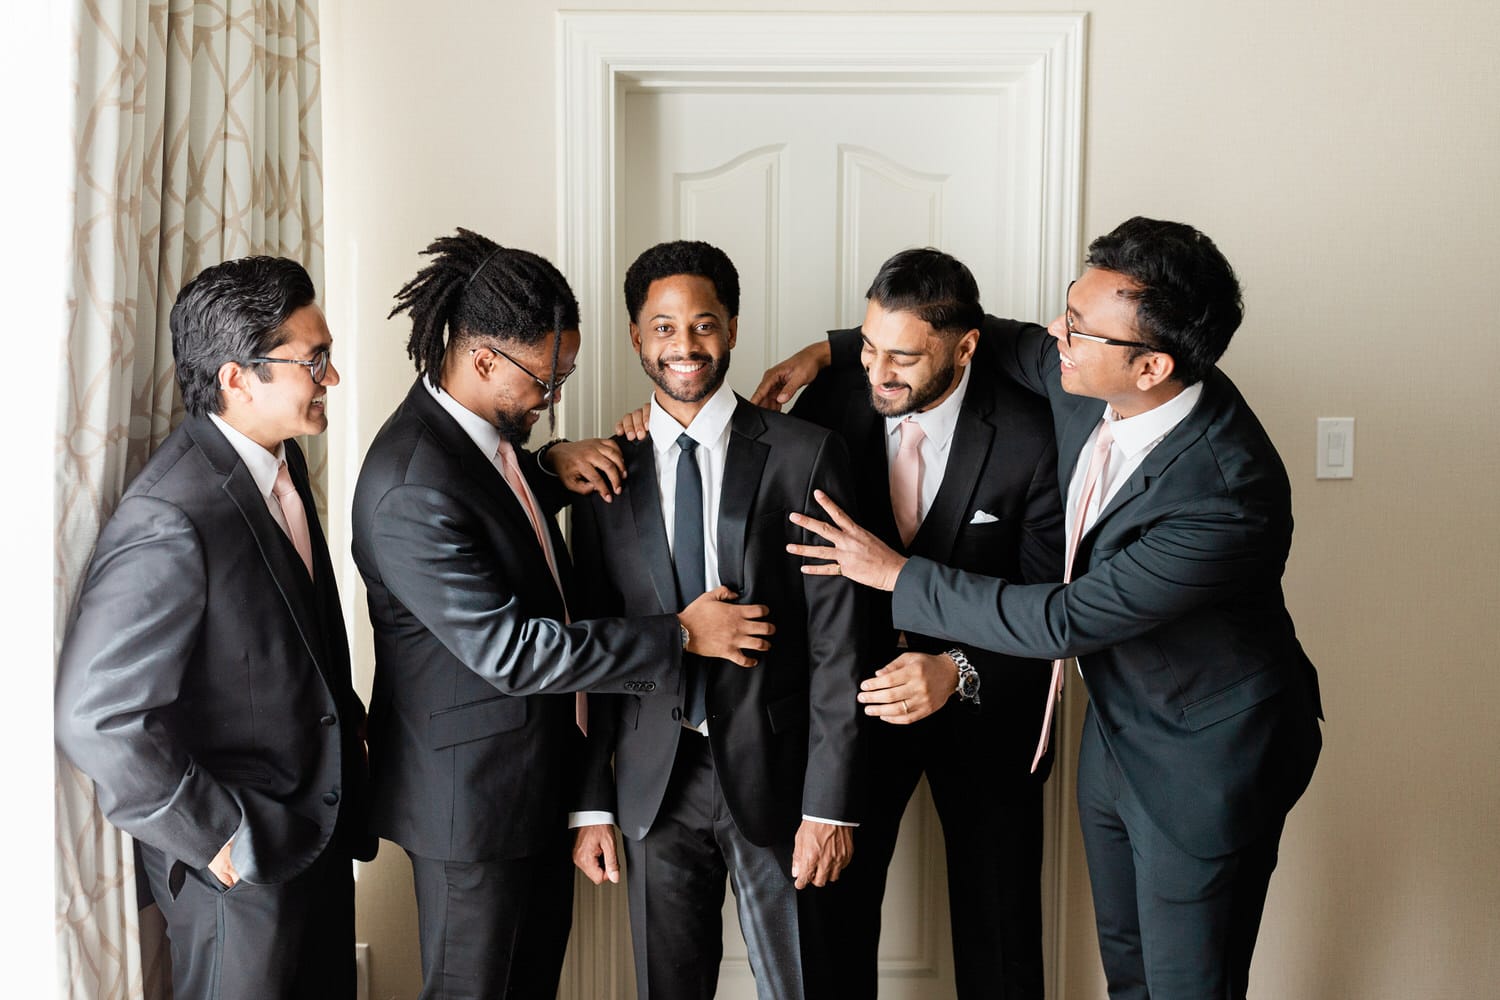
<point>808,191</point>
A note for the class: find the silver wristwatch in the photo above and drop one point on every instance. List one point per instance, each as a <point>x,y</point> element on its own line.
<point>968,677</point>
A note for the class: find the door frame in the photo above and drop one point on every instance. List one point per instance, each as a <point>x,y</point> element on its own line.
<point>1036,60</point>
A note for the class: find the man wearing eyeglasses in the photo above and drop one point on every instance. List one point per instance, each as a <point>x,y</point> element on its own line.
<point>1202,728</point>
<point>475,617</point>
<point>204,685</point>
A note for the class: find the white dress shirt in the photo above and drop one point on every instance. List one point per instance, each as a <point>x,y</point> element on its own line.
<point>937,425</point>
<point>1135,437</point>
<point>263,466</point>
<point>486,437</point>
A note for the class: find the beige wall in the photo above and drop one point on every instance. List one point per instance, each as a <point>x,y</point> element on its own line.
<point>1346,157</point>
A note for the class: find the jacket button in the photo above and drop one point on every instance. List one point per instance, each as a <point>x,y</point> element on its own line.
<point>330,798</point>
<point>328,720</point>
<point>676,715</point>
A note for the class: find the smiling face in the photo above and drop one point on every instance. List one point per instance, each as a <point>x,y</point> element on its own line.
<point>684,334</point>
<point>290,403</point>
<point>1128,380</point>
<point>910,366</point>
<point>514,399</point>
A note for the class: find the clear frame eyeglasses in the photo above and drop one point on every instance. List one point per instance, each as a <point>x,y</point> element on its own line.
<point>317,367</point>
<point>549,389</point>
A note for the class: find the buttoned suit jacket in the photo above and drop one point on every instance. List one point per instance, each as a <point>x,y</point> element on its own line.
<point>1002,465</point>
<point>1196,679</point>
<point>472,746</point>
<point>785,734</point>
<point>204,684</point>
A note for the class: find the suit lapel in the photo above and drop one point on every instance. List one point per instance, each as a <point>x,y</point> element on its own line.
<point>650,528</point>
<point>972,439</point>
<point>864,430</point>
<point>744,462</point>
<point>280,556</point>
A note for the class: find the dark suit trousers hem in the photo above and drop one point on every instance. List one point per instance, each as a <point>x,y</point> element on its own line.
<point>675,878</point>
<point>292,939</point>
<point>1171,926</point>
<point>494,929</point>
<point>992,835</point>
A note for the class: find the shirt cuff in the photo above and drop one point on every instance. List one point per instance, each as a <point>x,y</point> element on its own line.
<point>593,817</point>
<point>830,822</point>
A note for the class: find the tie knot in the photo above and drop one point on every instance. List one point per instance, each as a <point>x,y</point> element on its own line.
<point>283,484</point>
<point>911,433</point>
<point>686,443</point>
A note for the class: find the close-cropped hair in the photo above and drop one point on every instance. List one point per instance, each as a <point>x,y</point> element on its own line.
<point>694,257</point>
<point>473,289</point>
<point>1188,302</point>
<point>933,286</point>
<point>232,311</point>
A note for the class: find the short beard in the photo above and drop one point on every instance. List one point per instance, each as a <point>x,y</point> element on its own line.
<point>513,428</point>
<point>921,396</point>
<point>658,373</point>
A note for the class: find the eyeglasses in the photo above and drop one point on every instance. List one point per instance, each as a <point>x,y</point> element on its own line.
<point>549,389</point>
<point>1069,333</point>
<point>317,367</point>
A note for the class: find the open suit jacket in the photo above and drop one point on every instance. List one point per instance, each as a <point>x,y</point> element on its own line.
<point>205,683</point>
<point>1196,679</point>
<point>785,733</point>
<point>1002,463</point>
<point>469,759</point>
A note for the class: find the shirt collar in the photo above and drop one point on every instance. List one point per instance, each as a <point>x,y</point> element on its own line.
<point>709,426</point>
<point>1136,434</point>
<point>485,435</point>
<point>939,422</point>
<point>263,465</point>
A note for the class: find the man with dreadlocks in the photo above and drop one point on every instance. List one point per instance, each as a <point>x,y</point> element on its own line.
<point>468,582</point>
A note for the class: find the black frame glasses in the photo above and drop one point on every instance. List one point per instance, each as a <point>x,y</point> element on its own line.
<point>549,389</point>
<point>317,367</point>
<point>1069,333</point>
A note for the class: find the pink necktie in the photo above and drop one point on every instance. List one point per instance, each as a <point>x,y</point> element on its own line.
<point>511,470</point>
<point>294,514</point>
<point>906,481</point>
<point>1098,462</point>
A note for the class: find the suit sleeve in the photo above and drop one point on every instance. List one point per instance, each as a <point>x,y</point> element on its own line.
<point>1206,551</point>
<point>120,679</point>
<point>431,561</point>
<point>595,780</point>
<point>1043,545</point>
<point>834,784</point>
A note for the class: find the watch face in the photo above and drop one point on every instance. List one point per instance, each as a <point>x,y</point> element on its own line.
<point>968,684</point>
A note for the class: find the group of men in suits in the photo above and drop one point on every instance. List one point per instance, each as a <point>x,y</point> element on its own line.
<point>752,712</point>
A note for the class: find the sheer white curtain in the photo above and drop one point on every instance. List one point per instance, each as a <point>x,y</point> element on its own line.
<point>197,139</point>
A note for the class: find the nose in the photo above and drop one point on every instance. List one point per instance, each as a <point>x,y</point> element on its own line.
<point>331,376</point>
<point>1058,328</point>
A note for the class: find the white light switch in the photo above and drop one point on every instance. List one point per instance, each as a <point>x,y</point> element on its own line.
<point>1335,447</point>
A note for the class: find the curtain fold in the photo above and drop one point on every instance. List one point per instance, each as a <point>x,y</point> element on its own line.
<point>197,139</point>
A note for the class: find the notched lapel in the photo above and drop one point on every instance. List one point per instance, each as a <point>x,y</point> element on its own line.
<point>972,438</point>
<point>650,528</point>
<point>744,461</point>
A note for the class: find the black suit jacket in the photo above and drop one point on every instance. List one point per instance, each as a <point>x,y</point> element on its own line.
<point>204,685</point>
<point>471,747</point>
<point>1002,463</point>
<point>785,733</point>
<point>1200,688</point>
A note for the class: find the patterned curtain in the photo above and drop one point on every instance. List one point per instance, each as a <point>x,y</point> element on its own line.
<point>197,140</point>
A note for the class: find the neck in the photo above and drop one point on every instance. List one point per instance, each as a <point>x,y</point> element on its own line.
<point>1150,399</point>
<point>239,423</point>
<point>464,394</point>
<point>683,413</point>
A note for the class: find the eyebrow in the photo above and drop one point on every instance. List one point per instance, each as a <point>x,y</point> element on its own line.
<point>904,354</point>
<point>693,318</point>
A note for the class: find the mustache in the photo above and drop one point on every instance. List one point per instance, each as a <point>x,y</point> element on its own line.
<point>704,358</point>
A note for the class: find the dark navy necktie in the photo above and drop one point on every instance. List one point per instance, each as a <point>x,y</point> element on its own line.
<point>688,561</point>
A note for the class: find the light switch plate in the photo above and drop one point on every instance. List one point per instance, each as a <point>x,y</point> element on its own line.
<point>1335,448</point>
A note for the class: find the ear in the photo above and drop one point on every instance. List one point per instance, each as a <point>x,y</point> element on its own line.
<point>483,361</point>
<point>635,337</point>
<point>967,345</point>
<point>1155,369</point>
<point>734,330</point>
<point>233,379</point>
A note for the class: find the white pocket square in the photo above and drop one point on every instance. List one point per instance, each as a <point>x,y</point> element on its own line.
<point>980,517</point>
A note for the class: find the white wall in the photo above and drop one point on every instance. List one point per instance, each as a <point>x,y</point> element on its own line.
<point>1346,157</point>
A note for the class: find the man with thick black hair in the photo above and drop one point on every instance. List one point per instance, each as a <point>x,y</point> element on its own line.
<point>958,465</point>
<point>204,685</point>
<point>753,774</point>
<point>469,591</point>
<point>1202,728</point>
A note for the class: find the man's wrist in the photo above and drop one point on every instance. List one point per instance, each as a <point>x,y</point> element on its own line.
<point>541,456</point>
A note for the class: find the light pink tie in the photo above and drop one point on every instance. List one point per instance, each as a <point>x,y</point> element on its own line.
<point>1092,479</point>
<point>294,514</point>
<point>906,481</point>
<point>511,470</point>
